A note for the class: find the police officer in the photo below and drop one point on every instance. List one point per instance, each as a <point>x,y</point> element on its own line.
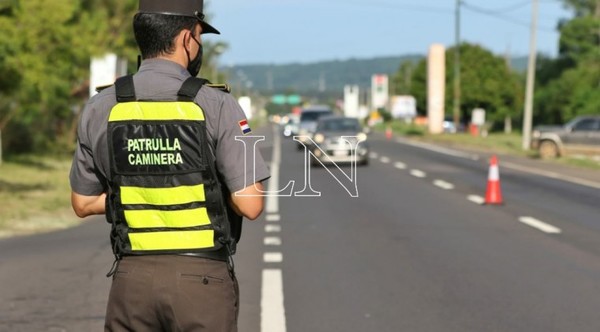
<point>157,153</point>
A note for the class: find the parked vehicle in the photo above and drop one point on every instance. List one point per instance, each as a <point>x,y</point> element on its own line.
<point>579,136</point>
<point>340,139</point>
<point>450,127</point>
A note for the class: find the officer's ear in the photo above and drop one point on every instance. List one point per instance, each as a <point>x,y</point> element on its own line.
<point>186,38</point>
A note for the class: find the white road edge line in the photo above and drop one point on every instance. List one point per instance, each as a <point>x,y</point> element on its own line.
<point>272,203</point>
<point>552,175</point>
<point>438,149</point>
<point>272,318</point>
<point>384,160</point>
<point>443,184</point>
<point>450,152</point>
<point>476,199</point>
<point>540,225</point>
<point>272,310</point>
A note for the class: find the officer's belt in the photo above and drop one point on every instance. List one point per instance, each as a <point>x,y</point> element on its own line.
<point>218,255</point>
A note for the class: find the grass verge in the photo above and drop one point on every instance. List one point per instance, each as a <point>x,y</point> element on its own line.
<point>494,142</point>
<point>35,195</point>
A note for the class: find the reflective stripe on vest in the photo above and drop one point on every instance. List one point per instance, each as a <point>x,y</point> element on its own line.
<point>172,240</point>
<point>155,111</point>
<point>154,218</point>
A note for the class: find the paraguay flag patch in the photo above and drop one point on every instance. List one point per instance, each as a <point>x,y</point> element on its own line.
<point>245,127</point>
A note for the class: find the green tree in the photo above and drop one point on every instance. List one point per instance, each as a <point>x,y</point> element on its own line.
<point>402,80</point>
<point>486,82</point>
<point>45,51</point>
<point>40,51</point>
<point>570,85</point>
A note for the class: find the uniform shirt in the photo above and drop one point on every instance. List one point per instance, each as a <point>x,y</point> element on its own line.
<point>159,79</point>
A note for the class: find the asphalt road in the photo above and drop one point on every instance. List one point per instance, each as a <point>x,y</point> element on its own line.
<point>405,255</point>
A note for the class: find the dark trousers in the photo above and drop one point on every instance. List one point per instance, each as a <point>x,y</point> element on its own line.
<point>172,293</point>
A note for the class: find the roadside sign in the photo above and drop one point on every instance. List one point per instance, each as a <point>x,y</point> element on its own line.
<point>404,107</point>
<point>478,117</point>
<point>278,99</point>
<point>294,99</point>
<point>289,99</point>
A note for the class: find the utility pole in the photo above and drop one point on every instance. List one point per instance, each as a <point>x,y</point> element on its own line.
<point>528,114</point>
<point>456,110</point>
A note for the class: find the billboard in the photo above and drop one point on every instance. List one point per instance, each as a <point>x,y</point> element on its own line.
<point>403,107</point>
<point>351,101</point>
<point>379,91</point>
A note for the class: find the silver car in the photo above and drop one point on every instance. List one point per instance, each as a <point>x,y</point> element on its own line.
<point>579,136</point>
<point>340,139</point>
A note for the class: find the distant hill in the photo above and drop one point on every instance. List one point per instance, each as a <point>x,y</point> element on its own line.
<point>310,78</point>
<point>326,77</point>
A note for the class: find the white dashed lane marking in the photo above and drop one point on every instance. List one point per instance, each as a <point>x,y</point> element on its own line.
<point>540,225</point>
<point>272,228</point>
<point>529,221</point>
<point>418,173</point>
<point>443,184</point>
<point>273,217</point>
<point>476,199</point>
<point>400,165</point>
<point>272,241</point>
<point>273,257</point>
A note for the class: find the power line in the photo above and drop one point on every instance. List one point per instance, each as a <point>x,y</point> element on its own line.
<point>390,5</point>
<point>498,15</point>
<point>512,7</point>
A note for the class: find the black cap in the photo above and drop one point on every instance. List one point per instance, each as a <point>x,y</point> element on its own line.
<point>190,8</point>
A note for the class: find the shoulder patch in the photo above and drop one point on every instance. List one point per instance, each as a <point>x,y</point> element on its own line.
<point>103,87</point>
<point>245,127</point>
<point>222,87</point>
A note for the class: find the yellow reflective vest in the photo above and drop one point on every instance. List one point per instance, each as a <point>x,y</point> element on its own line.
<point>164,193</point>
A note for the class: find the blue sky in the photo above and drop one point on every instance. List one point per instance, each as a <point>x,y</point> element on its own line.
<point>285,31</point>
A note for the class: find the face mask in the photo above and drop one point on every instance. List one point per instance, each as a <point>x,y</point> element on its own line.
<point>194,65</point>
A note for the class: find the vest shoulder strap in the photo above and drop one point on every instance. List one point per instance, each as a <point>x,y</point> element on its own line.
<point>125,89</point>
<point>190,88</point>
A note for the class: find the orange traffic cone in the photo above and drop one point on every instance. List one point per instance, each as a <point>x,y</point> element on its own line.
<point>388,132</point>
<point>493,194</point>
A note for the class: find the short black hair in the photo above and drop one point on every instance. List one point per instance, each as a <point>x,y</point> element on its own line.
<point>155,33</point>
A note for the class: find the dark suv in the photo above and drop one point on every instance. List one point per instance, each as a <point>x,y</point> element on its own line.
<point>579,136</point>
